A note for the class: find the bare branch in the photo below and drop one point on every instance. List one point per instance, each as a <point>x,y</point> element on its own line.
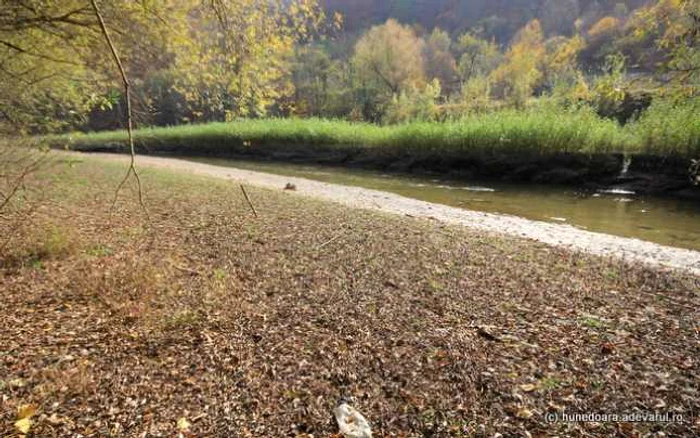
<point>129,122</point>
<point>38,20</point>
<point>34,54</point>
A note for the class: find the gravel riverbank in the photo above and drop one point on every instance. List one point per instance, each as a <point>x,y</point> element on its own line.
<point>552,234</point>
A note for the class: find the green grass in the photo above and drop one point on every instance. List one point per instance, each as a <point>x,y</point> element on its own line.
<point>540,131</point>
<point>668,128</point>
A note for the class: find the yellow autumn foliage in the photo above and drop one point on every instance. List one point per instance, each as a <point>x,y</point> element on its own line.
<point>604,27</point>
<point>521,71</point>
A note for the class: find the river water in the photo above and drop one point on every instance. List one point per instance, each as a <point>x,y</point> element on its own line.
<point>672,222</point>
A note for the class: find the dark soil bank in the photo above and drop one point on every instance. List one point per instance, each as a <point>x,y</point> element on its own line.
<point>667,176</point>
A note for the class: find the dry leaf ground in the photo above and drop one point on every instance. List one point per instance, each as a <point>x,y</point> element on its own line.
<point>111,325</point>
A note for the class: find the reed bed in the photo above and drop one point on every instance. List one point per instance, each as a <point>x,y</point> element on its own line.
<point>664,130</point>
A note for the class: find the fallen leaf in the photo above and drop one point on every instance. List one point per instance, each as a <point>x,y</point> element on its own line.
<point>608,348</point>
<point>528,387</point>
<point>524,413</point>
<point>555,406</point>
<point>23,425</point>
<point>183,424</point>
<point>16,383</point>
<point>25,411</point>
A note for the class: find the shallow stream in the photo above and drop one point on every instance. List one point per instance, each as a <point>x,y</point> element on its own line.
<point>672,222</point>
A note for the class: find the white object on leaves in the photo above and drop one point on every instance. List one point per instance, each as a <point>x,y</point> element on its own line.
<point>351,422</point>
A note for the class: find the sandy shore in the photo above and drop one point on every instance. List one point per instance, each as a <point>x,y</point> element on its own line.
<point>553,234</point>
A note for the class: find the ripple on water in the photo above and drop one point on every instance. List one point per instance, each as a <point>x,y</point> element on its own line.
<point>478,189</point>
<point>617,192</point>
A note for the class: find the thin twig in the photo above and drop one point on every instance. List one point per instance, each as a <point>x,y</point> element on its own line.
<point>129,126</point>
<point>247,198</point>
<point>327,242</point>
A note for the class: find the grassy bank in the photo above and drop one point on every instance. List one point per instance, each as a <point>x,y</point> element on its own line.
<point>665,130</point>
<point>119,325</point>
<point>508,132</point>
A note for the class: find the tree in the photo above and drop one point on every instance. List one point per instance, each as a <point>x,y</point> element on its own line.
<point>601,40</point>
<point>418,103</point>
<point>478,57</point>
<point>604,28</point>
<point>665,36</point>
<point>558,16</point>
<point>674,27</point>
<point>229,58</point>
<point>560,60</point>
<point>476,93</point>
<point>38,84</point>
<point>609,90</point>
<point>390,56</point>
<point>311,73</point>
<point>439,62</point>
<point>53,64</point>
<point>235,61</point>
<point>516,78</point>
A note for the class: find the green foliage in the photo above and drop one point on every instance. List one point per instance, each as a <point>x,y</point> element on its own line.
<point>592,322</point>
<point>560,60</point>
<point>440,64</point>
<point>571,91</point>
<point>311,74</point>
<point>56,66</point>
<point>240,67</point>
<point>386,61</point>
<point>478,56</point>
<point>416,103</point>
<point>230,58</point>
<point>609,88</point>
<point>476,93</point>
<point>99,251</point>
<point>669,127</point>
<point>540,130</point>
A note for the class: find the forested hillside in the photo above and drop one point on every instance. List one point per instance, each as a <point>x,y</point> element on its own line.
<point>499,19</point>
<point>377,61</point>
